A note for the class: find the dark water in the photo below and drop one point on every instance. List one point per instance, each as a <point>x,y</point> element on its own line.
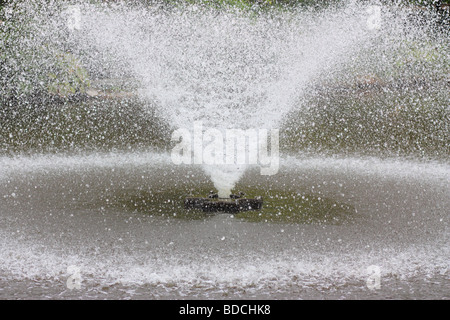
<point>118,220</point>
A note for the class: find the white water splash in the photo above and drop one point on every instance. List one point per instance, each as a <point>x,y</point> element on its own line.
<point>230,70</point>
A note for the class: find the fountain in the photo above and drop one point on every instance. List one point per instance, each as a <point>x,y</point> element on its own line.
<point>197,70</point>
<point>117,120</point>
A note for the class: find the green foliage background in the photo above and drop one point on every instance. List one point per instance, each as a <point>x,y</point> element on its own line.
<point>35,73</point>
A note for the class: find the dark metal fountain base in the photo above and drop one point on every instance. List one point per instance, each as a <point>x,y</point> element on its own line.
<point>223,205</point>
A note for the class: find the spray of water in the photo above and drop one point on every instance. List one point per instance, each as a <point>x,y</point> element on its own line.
<point>228,68</point>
